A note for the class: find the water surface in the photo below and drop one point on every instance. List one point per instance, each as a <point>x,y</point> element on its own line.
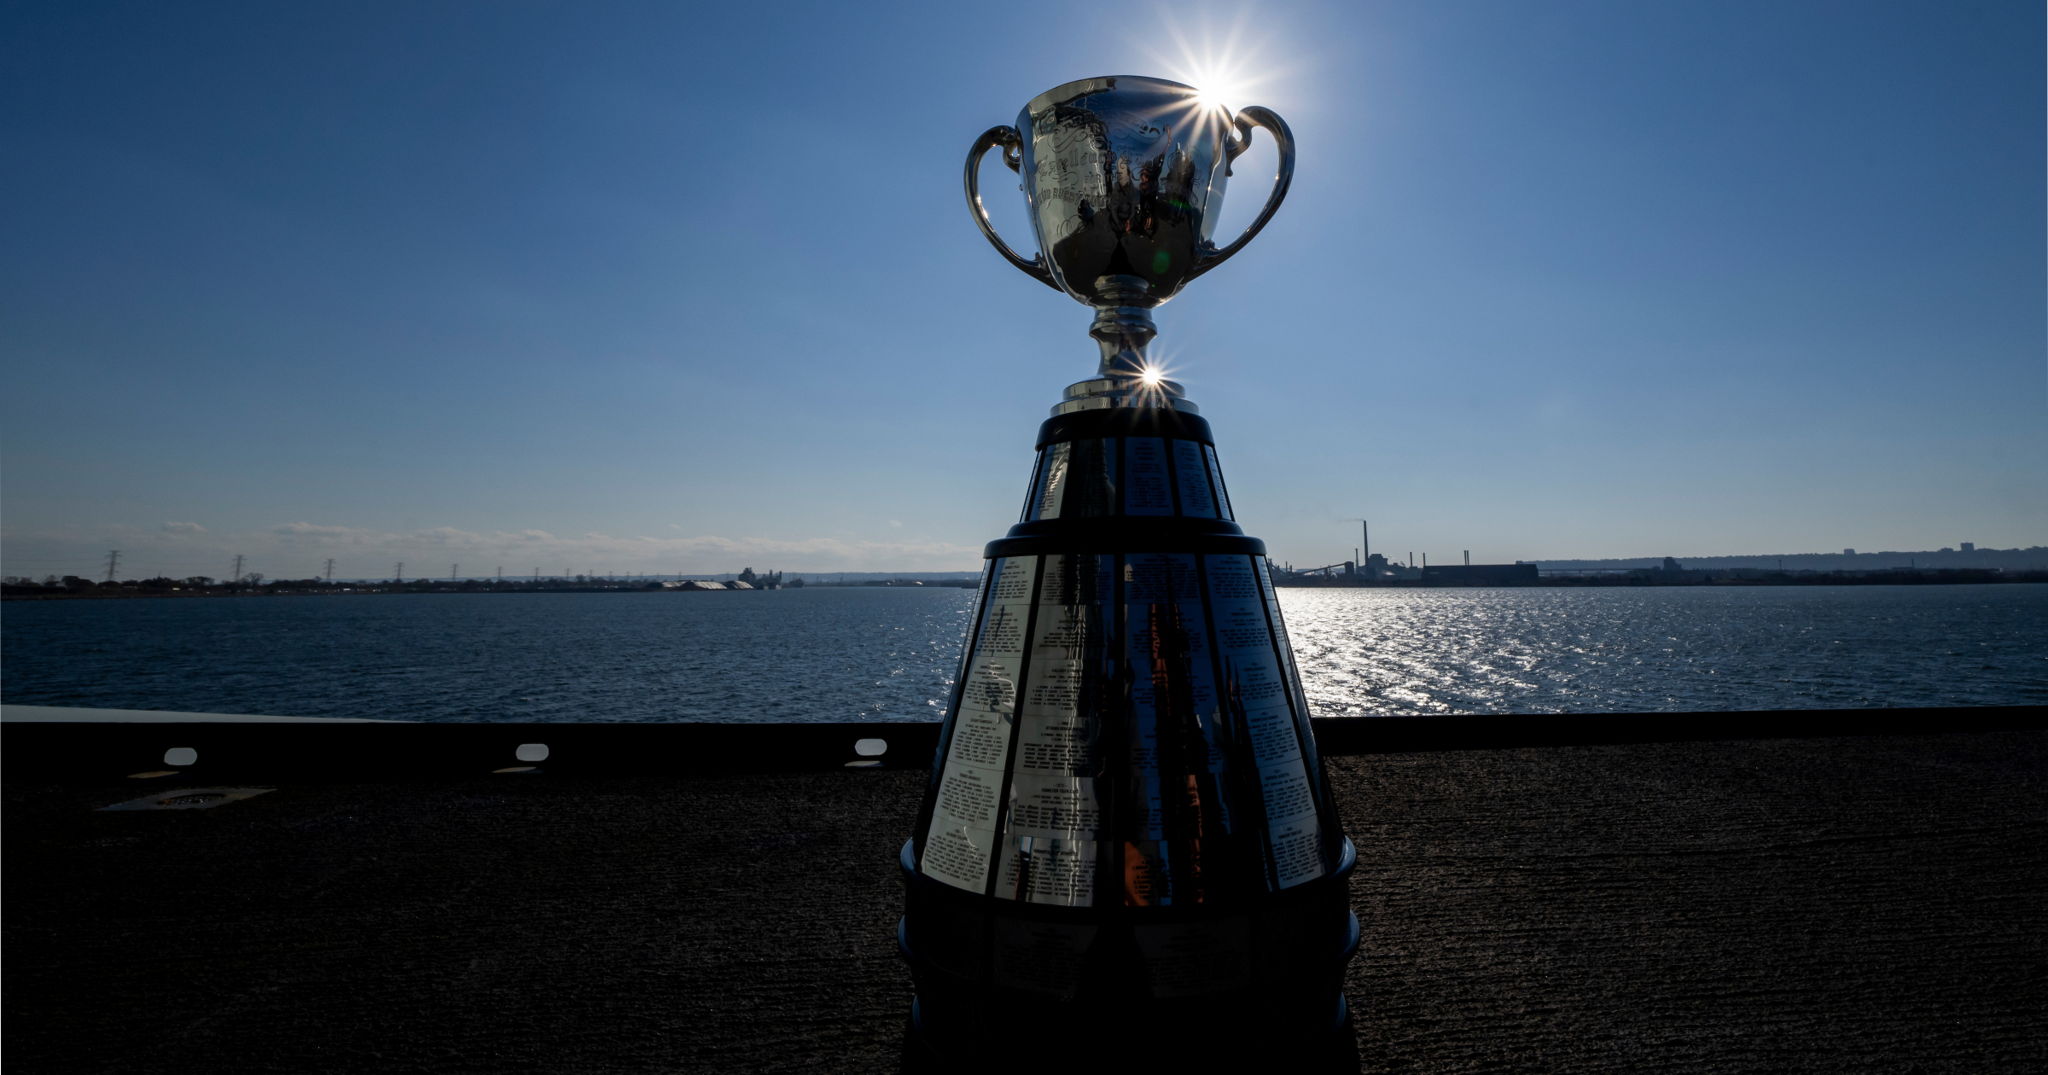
<point>874,653</point>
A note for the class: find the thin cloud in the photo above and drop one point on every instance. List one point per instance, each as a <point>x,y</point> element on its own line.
<point>309,533</point>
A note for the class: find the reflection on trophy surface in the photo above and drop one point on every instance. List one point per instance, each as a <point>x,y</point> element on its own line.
<point>1127,843</point>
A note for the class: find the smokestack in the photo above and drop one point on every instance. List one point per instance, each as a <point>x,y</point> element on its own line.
<point>1468,557</point>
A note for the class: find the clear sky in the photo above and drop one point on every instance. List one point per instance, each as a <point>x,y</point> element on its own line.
<point>676,287</point>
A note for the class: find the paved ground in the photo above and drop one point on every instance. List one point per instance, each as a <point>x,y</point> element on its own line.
<point>1821,904</point>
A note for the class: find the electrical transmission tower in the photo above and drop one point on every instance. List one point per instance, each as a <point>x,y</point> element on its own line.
<point>237,577</point>
<point>330,569</point>
<point>453,569</point>
<point>113,559</point>
<point>398,573</point>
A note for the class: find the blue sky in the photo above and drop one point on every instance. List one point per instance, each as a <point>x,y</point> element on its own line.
<point>683,288</point>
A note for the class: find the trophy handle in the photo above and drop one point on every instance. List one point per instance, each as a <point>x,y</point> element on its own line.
<point>1247,118</point>
<point>1012,143</point>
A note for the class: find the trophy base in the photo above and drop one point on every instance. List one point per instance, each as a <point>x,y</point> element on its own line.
<point>1002,986</point>
<point>1142,1048</point>
<point>1127,856</point>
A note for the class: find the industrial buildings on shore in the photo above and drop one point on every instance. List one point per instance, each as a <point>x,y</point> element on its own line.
<point>1966,564</point>
<point>1671,573</point>
<point>1377,571</point>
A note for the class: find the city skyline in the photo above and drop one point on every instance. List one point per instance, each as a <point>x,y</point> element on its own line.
<point>644,289</point>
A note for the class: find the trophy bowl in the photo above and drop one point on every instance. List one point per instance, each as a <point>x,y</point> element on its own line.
<point>1123,178</point>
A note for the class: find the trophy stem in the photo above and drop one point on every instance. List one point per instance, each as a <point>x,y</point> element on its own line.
<point>1125,377</point>
<point>1122,332</point>
<point>1123,326</point>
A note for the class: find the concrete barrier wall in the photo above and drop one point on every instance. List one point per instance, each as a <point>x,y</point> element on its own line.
<point>49,743</point>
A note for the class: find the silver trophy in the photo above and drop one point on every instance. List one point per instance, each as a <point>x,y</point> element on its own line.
<point>1124,178</point>
<point>1128,842</point>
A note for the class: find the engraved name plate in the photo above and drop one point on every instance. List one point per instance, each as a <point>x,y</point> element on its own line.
<point>1147,880</point>
<point>1284,786</point>
<point>958,848</point>
<point>1244,634</point>
<point>1054,804</point>
<point>960,844</point>
<point>1046,869</point>
<point>1079,580</point>
<point>1055,734</point>
<point>1297,852</point>
<point>1153,578</point>
<point>1041,957</point>
<point>1191,479</point>
<point>1091,480</point>
<point>1285,648</point>
<point>1147,489</point>
<point>1032,487</point>
<point>1184,959</point>
<point>1170,662</point>
<point>1271,731</point>
<point>1052,485</point>
<point>1216,474</point>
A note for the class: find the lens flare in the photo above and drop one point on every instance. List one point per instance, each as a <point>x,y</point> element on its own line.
<point>1216,92</point>
<point>1222,65</point>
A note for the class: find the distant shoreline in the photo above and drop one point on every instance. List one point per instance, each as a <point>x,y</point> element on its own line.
<point>1951,577</point>
<point>134,591</point>
<point>1698,578</point>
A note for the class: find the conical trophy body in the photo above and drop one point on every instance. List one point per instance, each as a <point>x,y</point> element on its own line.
<point>1127,839</point>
